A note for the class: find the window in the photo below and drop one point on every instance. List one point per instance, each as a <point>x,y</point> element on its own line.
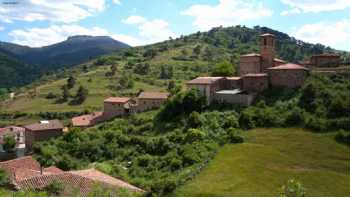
<point>265,42</point>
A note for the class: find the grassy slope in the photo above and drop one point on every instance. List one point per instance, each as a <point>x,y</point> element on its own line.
<point>99,88</point>
<point>268,159</point>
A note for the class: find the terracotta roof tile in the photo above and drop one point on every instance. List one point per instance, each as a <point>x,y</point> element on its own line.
<point>117,100</point>
<point>204,80</point>
<point>288,66</point>
<point>101,177</point>
<point>52,170</point>
<point>86,120</point>
<point>21,168</point>
<point>42,126</point>
<point>153,95</point>
<point>279,60</point>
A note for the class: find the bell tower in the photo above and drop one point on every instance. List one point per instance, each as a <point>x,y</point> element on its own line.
<point>267,50</point>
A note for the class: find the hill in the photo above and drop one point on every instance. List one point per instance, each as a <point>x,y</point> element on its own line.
<point>268,158</point>
<point>75,50</point>
<point>154,66</point>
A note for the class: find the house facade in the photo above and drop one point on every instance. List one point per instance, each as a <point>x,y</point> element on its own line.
<point>151,100</point>
<point>325,60</point>
<point>42,131</point>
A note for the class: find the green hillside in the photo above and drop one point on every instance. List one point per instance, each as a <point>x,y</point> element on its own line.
<point>155,65</point>
<point>268,158</point>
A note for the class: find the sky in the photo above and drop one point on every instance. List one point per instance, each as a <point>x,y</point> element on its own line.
<point>39,23</point>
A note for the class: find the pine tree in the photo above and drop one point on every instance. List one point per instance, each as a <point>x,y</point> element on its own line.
<point>82,94</point>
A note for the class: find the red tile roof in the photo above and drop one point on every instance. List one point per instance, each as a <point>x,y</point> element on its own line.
<point>204,80</point>
<point>96,175</point>
<point>25,174</point>
<point>84,181</point>
<point>21,168</point>
<point>42,126</point>
<point>288,66</point>
<point>86,120</point>
<point>153,95</point>
<point>117,100</point>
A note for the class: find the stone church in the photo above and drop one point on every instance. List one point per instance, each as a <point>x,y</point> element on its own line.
<point>257,72</point>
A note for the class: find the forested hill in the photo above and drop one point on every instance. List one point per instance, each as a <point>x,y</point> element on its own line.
<point>75,50</point>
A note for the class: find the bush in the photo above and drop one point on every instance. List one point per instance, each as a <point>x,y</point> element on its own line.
<point>223,69</point>
<point>292,189</point>
<point>9,143</point>
<point>343,137</point>
<point>233,136</point>
<point>195,135</point>
<point>4,178</point>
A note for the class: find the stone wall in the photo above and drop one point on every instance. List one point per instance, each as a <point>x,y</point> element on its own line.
<point>255,84</point>
<point>325,61</point>
<point>149,104</point>
<point>287,78</point>
<point>236,99</point>
<point>250,64</point>
<point>112,110</point>
<point>36,136</point>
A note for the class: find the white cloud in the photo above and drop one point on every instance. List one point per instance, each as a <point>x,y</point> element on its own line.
<point>2,28</point>
<point>315,5</point>
<point>290,12</point>
<point>150,31</point>
<point>37,37</point>
<point>66,11</point>
<point>226,13</point>
<point>117,2</point>
<point>336,35</point>
<point>133,20</point>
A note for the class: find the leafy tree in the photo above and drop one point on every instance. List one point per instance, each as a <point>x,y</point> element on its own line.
<point>224,69</point>
<point>81,95</point>
<point>71,82</point>
<point>208,54</point>
<point>126,81</point>
<point>166,72</point>
<point>150,53</point>
<point>9,143</point>
<point>197,50</point>
<point>142,69</point>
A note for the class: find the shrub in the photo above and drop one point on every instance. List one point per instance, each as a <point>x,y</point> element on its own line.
<point>54,188</point>
<point>4,178</point>
<point>9,143</point>
<point>292,189</point>
<point>223,69</point>
<point>195,135</point>
<point>343,137</point>
<point>233,136</point>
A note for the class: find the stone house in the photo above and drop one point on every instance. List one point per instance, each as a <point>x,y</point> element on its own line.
<point>288,75</point>
<point>207,86</point>
<point>41,131</point>
<point>151,100</point>
<point>115,106</point>
<point>325,60</point>
<point>255,82</point>
<point>18,133</point>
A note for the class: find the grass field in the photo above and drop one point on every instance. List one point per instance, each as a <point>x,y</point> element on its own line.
<point>270,157</point>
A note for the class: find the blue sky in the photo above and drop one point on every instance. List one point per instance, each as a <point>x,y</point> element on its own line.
<point>139,22</point>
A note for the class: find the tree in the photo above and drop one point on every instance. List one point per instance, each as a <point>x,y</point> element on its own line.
<point>65,93</point>
<point>150,53</point>
<point>71,82</point>
<point>197,50</point>
<point>223,69</point>
<point>166,72</point>
<point>9,143</point>
<point>82,94</point>
<point>208,54</point>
